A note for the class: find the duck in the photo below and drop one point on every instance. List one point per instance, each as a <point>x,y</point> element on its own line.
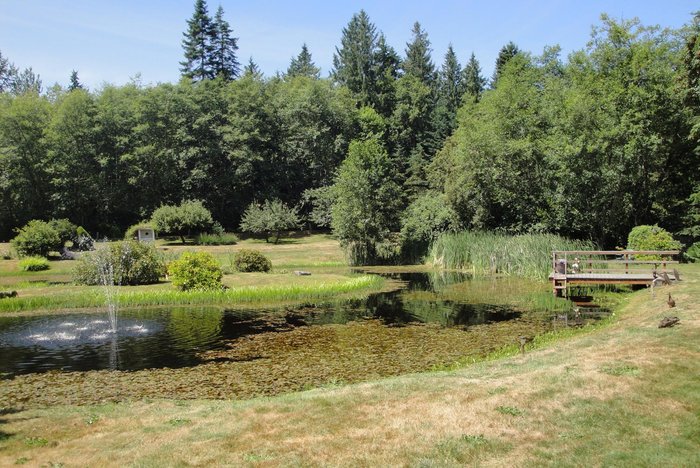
<point>671,302</point>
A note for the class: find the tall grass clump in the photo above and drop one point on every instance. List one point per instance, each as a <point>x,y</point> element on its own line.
<point>33,264</point>
<point>526,255</point>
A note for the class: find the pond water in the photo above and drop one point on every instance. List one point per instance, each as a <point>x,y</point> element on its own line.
<point>183,337</point>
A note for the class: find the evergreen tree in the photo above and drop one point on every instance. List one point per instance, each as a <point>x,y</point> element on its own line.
<point>303,65</point>
<point>252,69</point>
<point>386,72</point>
<point>418,62</point>
<point>472,79</point>
<point>450,91</point>
<point>506,53</point>
<point>74,81</point>
<point>197,44</point>
<point>353,63</point>
<point>223,60</point>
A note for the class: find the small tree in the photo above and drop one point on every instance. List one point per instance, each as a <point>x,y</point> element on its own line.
<point>367,204</point>
<point>189,218</point>
<point>37,238</point>
<point>269,219</point>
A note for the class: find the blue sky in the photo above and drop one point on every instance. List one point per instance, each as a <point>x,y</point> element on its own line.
<point>111,41</point>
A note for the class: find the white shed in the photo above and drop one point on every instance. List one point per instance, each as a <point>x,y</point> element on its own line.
<point>145,235</point>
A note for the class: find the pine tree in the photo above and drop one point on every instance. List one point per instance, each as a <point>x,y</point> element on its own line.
<point>252,69</point>
<point>74,81</point>
<point>450,91</point>
<point>418,62</point>
<point>303,65</point>
<point>353,63</point>
<point>223,60</point>
<point>386,71</point>
<point>197,44</point>
<point>474,83</point>
<point>506,53</point>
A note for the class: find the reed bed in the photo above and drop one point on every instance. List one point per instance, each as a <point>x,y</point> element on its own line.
<point>526,255</point>
<point>253,294</point>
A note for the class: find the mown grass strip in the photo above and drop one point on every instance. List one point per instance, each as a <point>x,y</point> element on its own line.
<point>253,294</point>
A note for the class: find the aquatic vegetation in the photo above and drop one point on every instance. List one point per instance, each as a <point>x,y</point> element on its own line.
<point>483,253</point>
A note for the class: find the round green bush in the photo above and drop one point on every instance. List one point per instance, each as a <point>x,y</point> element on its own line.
<point>37,238</point>
<point>195,270</point>
<point>34,264</point>
<point>647,237</point>
<point>122,263</point>
<point>248,260</point>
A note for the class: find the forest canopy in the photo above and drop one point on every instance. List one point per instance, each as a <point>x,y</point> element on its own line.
<point>587,146</point>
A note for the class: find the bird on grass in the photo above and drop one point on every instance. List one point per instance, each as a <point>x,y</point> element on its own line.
<point>671,302</point>
<point>668,322</point>
<point>523,340</point>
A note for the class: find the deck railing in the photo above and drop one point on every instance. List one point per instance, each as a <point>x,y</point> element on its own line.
<point>566,262</point>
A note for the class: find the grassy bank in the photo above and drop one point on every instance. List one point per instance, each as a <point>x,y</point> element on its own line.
<point>318,254</point>
<point>528,255</point>
<point>624,395</point>
<point>94,296</point>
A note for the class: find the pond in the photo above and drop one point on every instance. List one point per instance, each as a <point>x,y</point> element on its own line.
<point>429,320</point>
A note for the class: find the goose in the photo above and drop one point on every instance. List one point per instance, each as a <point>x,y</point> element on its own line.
<point>671,302</point>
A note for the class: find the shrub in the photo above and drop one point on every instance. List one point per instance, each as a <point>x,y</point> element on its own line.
<point>647,237</point>
<point>66,230</point>
<point>195,270</point>
<point>216,239</point>
<point>247,260</point>
<point>269,219</point>
<point>693,253</point>
<point>33,264</point>
<point>123,263</point>
<point>37,238</point>
<point>189,218</point>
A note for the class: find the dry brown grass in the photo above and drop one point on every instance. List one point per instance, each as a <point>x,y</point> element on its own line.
<point>624,395</point>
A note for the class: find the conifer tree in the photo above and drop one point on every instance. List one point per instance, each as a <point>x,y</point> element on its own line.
<point>353,62</point>
<point>197,44</point>
<point>450,91</point>
<point>386,71</point>
<point>473,82</point>
<point>252,69</point>
<point>418,62</point>
<point>223,60</point>
<point>303,65</point>
<point>74,81</point>
<point>506,53</point>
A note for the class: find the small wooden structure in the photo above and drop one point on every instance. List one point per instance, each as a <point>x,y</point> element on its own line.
<point>588,267</point>
<point>145,234</point>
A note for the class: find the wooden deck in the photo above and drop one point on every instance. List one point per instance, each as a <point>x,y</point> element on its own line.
<point>609,267</point>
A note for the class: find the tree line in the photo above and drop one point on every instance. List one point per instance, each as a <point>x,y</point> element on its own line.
<point>389,150</point>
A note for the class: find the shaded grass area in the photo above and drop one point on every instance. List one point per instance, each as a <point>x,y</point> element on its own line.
<point>624,395</point>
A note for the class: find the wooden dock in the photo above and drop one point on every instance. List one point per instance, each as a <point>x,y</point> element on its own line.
<point>586,267</point>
